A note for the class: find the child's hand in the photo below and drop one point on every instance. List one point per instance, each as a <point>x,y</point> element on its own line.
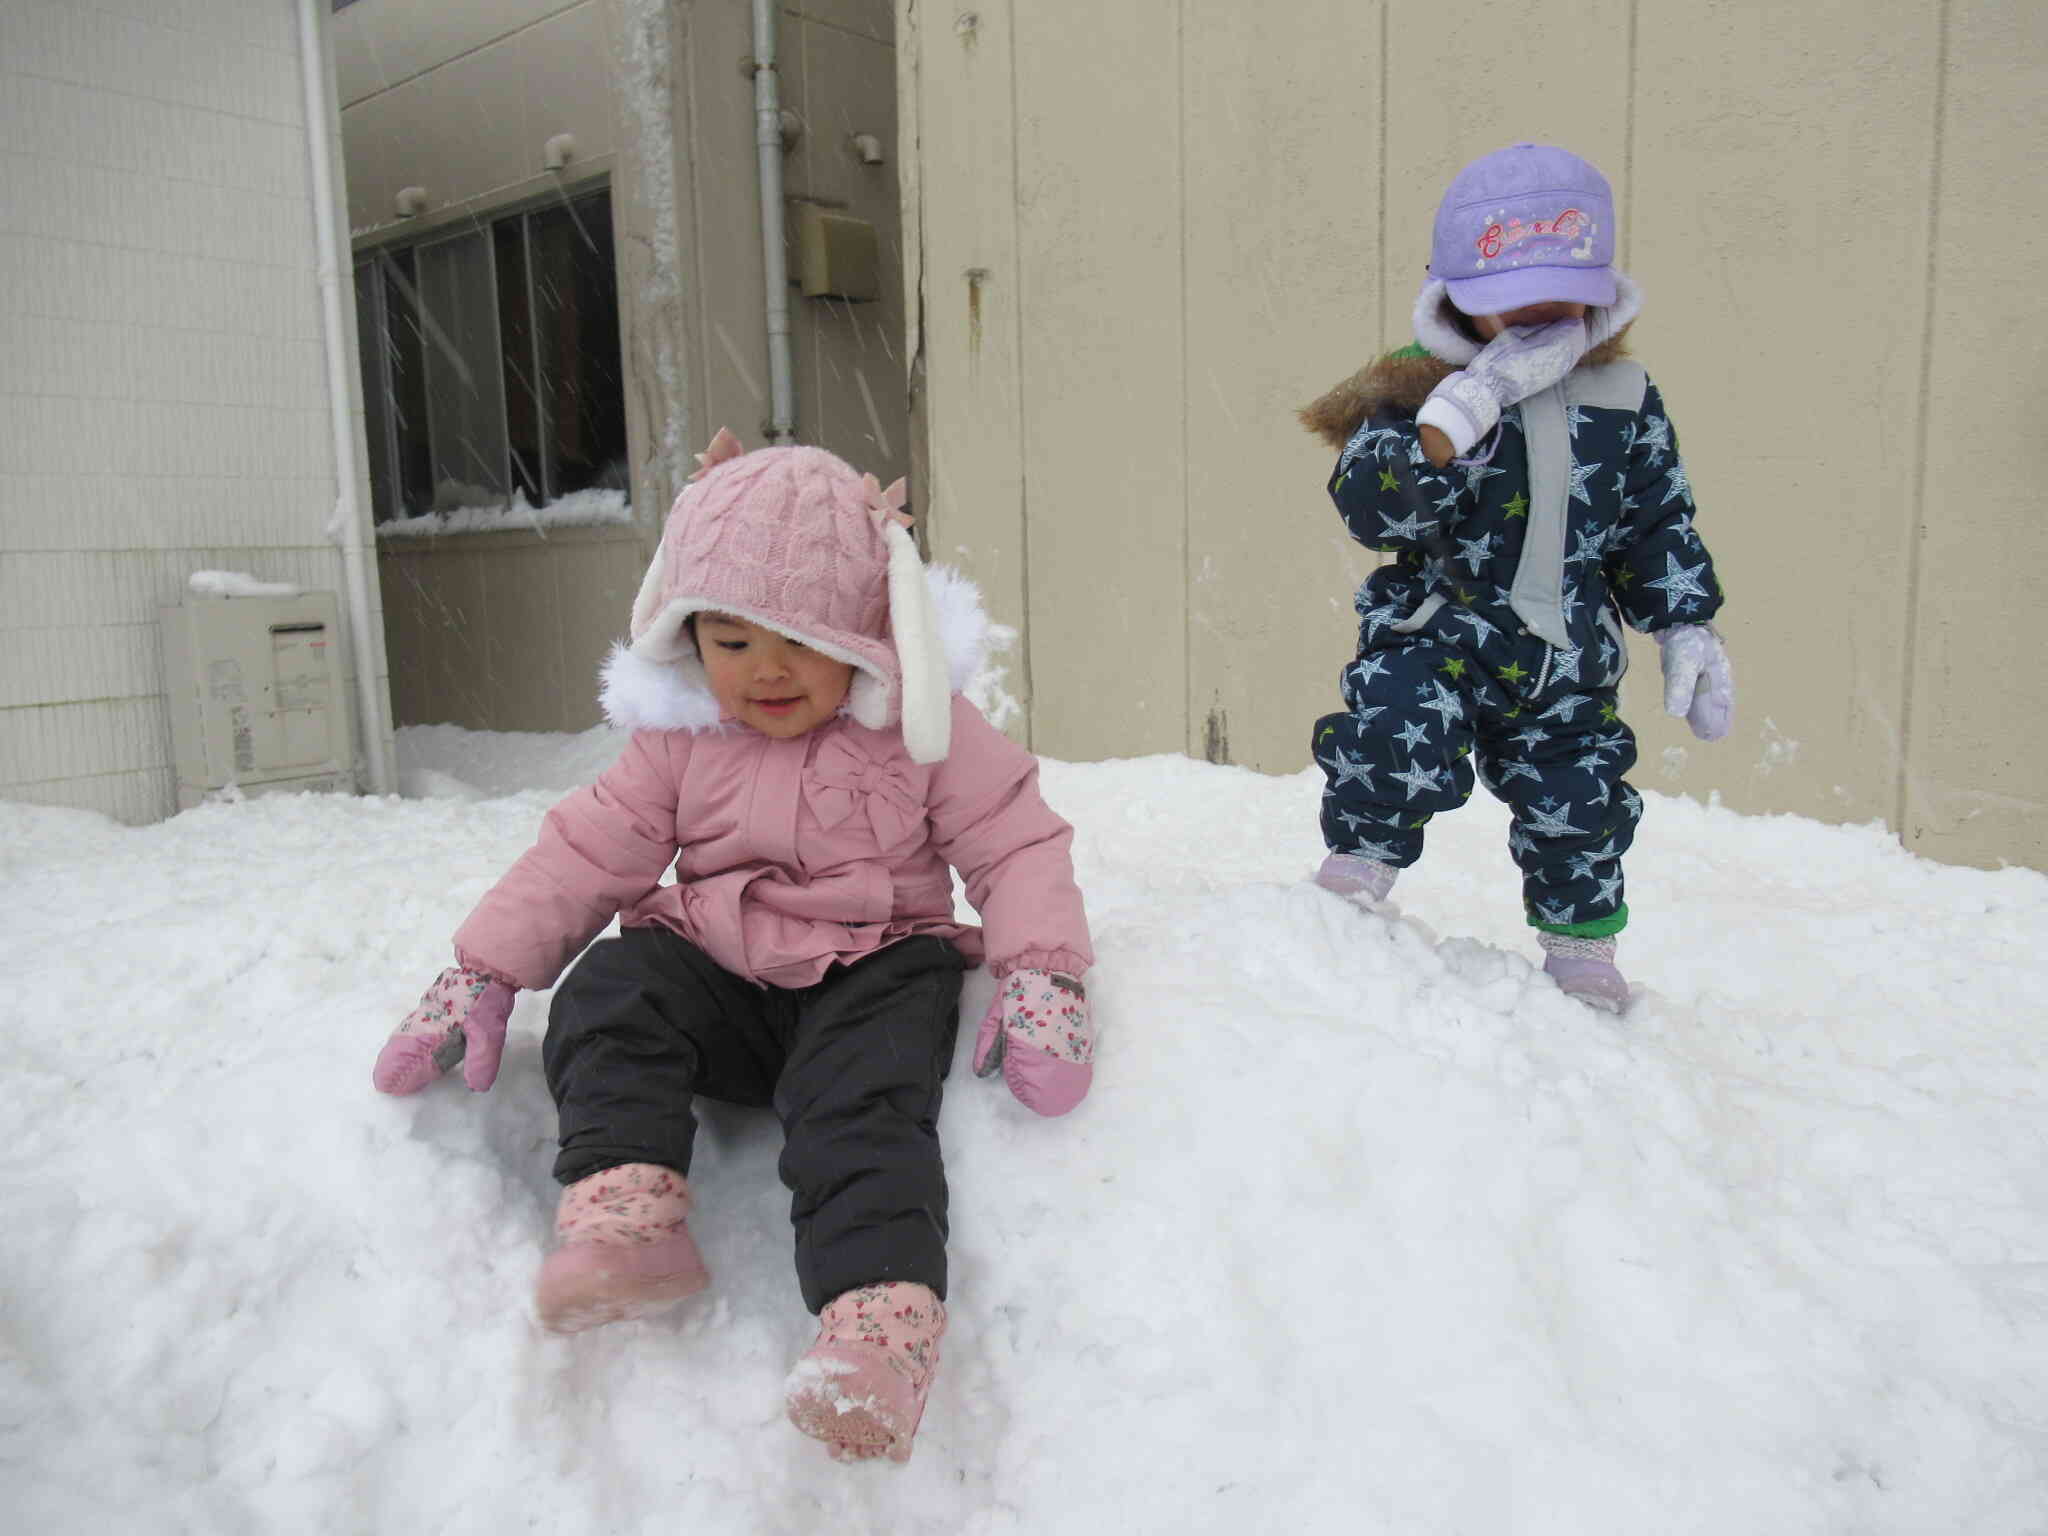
<point>1513,366</point>
<point>1699,685</point>
<point>461,1018</point>
<point>1037,1031</point>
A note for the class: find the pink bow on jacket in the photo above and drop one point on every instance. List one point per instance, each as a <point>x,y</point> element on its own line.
<point>841,782</point>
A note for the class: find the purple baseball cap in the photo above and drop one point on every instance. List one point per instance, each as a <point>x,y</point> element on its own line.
<point>1525,225</point>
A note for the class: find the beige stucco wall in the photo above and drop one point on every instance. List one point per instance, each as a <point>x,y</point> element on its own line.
<point>1145,233</point>
<point>460,98</point>
<point>163,390</point>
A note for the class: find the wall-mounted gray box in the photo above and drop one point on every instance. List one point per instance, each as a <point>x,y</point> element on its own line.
<point>259,695</point>
<point>838,255</point>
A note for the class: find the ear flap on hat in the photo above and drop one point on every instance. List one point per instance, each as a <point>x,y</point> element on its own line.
<point>920,657</point>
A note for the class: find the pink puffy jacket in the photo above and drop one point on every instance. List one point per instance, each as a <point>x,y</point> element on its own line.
<point>792,854</point>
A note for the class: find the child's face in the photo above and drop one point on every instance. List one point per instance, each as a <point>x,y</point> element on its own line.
<point>1490,326</point>
<point>767,680</point>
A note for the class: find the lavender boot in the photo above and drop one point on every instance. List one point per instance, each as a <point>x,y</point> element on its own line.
<point>1357,878</point>
<point>1584,968</point>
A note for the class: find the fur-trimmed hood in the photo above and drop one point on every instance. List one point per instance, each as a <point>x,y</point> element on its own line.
<point>643,695</point>
<point>1402,380</point>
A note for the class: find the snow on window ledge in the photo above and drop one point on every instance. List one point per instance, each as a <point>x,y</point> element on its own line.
<point>579,509</point>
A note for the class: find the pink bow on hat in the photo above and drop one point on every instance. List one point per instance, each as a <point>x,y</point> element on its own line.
<point>887,505</point>
<point>723,446</point>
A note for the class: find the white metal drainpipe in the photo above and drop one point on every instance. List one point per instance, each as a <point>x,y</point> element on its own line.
<point>774,253</point>
<point>347,528</point>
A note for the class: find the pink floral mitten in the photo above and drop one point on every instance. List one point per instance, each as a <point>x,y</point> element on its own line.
<point>1037,1031</point>
<point>461,1018</point>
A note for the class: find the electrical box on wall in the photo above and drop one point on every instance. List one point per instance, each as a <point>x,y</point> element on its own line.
<point>259,695</point>
<point>839,256</point>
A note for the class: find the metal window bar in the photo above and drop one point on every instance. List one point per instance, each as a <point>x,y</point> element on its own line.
<point>498,367</point>
<point>540,383</point>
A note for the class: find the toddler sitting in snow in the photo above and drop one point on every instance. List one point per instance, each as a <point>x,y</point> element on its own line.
<point>801,758</point>
<point>1524,473</point>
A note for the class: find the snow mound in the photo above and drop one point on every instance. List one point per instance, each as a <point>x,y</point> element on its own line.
<point>1365,1227</point>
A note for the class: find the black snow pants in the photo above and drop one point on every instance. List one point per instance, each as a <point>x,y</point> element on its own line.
<point>853,1067</point>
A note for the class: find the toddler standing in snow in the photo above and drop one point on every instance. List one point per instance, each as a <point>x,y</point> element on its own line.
<point>1524,472</point>
<point>801,758</point>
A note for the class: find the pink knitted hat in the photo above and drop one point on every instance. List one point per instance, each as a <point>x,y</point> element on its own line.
<point>797,541</point>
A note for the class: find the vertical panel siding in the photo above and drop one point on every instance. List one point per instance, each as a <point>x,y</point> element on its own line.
<point>1103,372</point>
<point>969,310</point>
<point>1779,229</point>
<point>1828,260</point>
<point>163,406</point>
<point>1976,780</point>
<point>1279,306</point>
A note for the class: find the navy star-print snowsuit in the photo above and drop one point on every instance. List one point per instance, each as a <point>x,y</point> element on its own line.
<point>1448,673</point>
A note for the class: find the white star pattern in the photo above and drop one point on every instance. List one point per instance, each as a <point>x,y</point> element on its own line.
<point>1409,527</point>
<point>1542,823</point>
<point>1475,475</point>
<point>1366,668</point>
<point>1580,472</point>
<point>1377,619</point>
<point>1610,891</point>
<point>1681,483</point>
<point>1481,630</point>
<point>1563,915</point>
<point>1633,801</point>
<point>1574,416</point>
<point>1444,703</point>
<point>1564,665</point>
<point>1416,735</point>
<point>1477,551</point>
<point>1349,770</point>
<point>1655,439</point>
<point>1418,778</point>
<point>1378,442</point>
<point>1592,544</point>
<point>1531,736</point>
<point>1511,769</point>
<point>1678,581</point>
<point>1565,708</point>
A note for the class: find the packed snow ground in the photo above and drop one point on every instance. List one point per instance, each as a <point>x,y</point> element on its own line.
<point>1365,1228</point>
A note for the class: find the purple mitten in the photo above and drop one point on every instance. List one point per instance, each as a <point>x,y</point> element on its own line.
<point>1037,1030</point>
<point>1698,682</point>
<point>461,1018</point>
<point>1511,367</point>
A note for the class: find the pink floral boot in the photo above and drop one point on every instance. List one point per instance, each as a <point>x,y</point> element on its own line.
<point>622,1250</point>
<point>862,1387</point>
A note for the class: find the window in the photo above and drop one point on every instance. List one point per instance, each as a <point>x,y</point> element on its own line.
<point>491,370</point>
